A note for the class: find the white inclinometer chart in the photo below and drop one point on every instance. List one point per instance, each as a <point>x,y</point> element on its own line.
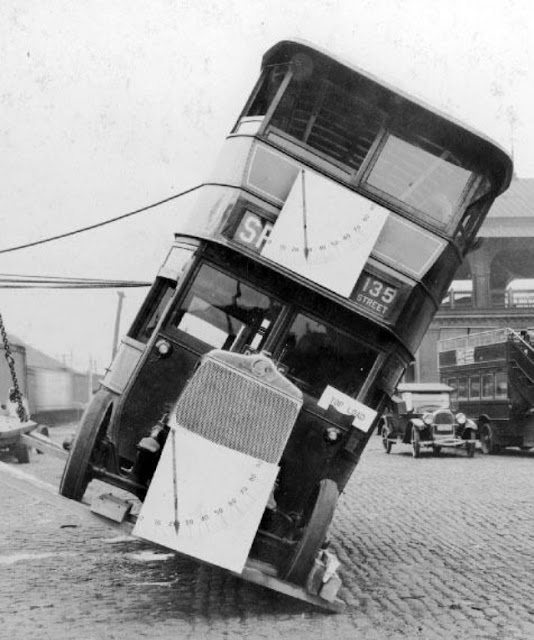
<point>205,500</point>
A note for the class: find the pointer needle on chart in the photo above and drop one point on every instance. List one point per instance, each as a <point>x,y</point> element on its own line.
<point>175,481</point>
<point>304,218</point>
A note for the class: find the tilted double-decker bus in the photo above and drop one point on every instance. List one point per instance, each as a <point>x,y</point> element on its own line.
<point>492,373</point>
<point>292,300</point>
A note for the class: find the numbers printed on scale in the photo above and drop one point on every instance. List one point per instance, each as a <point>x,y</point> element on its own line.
<point>218,516</point>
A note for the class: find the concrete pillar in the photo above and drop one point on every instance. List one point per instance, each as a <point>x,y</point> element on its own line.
<point>480,266</point>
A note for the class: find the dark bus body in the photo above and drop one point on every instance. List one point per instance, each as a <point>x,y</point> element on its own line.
<point>337,214</point>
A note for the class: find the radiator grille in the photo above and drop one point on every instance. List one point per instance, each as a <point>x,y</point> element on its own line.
<point>444,417</point>
<point>232,407</point>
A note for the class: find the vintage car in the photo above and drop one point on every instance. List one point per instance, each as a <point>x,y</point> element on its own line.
<point>420,415</point>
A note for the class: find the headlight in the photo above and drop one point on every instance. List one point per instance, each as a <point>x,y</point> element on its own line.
<point>428,418</point>
<point>331,435</point>
<point>163,347</point>
<point>460,418</point>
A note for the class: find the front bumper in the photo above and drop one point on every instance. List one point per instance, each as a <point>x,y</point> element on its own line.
<point>447,441</point>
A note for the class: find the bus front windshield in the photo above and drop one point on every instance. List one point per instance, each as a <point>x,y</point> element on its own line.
<point>318,355</point>
<point>224,312</point>
<point>422,402</point>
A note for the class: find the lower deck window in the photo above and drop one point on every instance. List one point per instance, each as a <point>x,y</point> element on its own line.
<point>153,309</point>
<point>501,385</point>
<point>474,388</point>
<point>487,386</point>
<point>462,389</point>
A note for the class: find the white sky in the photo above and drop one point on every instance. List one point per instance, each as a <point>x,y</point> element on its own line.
<point>109,106</point>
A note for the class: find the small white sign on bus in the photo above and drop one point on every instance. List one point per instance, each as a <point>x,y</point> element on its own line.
<point>363,415</point>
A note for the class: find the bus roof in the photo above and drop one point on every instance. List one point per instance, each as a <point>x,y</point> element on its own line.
<point>497,157</point>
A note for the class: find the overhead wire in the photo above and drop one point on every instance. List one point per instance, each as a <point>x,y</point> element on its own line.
<point>19,281</point>
<point>119,285</point>
<point>16,277</point>
<point>109,221</point>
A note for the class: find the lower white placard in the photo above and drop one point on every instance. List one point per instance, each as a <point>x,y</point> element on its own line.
<point>205,500</point>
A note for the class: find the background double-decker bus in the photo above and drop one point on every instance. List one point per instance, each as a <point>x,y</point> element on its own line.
<point>492,373</point>
<point>307,274</point>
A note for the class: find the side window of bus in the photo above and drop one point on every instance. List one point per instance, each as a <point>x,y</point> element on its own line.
<point>488,387</point>
<point>267,90</point>
<point>501,385</point>
<point>225,313</point>
<point>474,388</point>
<point>161,293</point>
<point>462,389</point>
<point>317,355</point>
<point>453,383</point>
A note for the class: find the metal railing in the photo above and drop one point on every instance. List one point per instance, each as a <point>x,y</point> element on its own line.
<point>500,299</point>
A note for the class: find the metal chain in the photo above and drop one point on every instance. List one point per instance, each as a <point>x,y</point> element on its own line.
<point>21,411</point>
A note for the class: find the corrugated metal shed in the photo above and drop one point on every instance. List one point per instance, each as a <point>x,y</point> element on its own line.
<point>37,359</point>
<point>512,214</point>
<point>517,202</point>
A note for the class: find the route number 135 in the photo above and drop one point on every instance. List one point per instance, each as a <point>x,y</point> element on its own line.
<point>378,290</point>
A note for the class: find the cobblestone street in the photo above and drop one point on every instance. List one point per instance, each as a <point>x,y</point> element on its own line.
<point>434,548</point>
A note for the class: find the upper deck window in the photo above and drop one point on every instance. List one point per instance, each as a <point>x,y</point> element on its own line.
<point>430,180</point>
<point>329,119</point>
<point>372,138</point>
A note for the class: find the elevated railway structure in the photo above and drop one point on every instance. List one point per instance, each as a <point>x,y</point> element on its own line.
<point>497,280</point>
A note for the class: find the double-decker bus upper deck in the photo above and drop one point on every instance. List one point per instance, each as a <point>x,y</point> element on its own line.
<point>351,188</point>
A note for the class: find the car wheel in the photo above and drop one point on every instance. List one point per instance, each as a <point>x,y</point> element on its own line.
<point>78,472</point>
<point>385,440</point>
<point>436,450</point>
<point>416,442</point>
<point>314,532</point>
<point>487,439</point>
<point>470,446</point>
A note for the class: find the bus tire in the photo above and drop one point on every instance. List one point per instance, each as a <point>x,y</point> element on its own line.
<point>77,472</point>
<point>416,442</point>
<point>309,545</point>
<point>487,439</point>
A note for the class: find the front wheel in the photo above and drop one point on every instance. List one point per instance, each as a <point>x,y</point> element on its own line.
<point>77,473</point>
<point>487,439</point>
<point>470,446</point>
<point>314,532</point>
<point>416,442</point>
<point>386,442</point>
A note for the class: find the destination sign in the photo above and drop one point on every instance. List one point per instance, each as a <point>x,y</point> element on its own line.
<point>253,231</point>
<point>375,295</point>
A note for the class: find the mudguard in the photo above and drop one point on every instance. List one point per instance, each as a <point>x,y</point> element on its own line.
<point>418,423</point>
